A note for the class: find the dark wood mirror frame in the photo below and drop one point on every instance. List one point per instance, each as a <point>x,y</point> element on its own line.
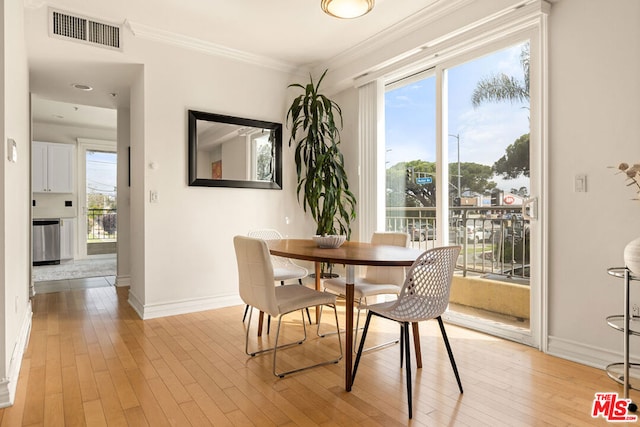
<point>276,132</point>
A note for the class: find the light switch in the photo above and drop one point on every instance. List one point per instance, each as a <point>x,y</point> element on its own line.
<point>580,184</point>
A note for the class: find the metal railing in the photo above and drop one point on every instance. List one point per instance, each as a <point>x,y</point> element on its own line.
<point>494,240</point>
<point>102,224</point>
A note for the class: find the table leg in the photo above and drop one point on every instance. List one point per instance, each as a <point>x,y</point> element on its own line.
<point>260,320</point>
<point>416,344</point>
<point>318,286</point>
<point>348,360</point>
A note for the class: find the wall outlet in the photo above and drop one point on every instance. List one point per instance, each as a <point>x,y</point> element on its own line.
<point>635,310</point>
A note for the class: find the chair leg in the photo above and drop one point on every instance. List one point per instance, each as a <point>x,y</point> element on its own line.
<point>446,343</point>
<point>355,331</point>
<point>246,310</point>
<point>253,353</point>
<point>282,374</point>
<point>361,347</point>
<point>416,345</point>
<point>401,345</point>
<point>407,347</point>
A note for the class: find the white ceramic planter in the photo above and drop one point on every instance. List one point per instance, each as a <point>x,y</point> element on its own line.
<point>632,256</point>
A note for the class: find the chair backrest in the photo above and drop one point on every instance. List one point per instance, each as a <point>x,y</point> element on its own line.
<point>270,234</point>
<point>426,289</point>
<point>393,275</point>
<point>255,274</point>
<point>266,234</point>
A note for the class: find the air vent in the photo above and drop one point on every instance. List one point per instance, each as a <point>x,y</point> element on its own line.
<point>83,29</point>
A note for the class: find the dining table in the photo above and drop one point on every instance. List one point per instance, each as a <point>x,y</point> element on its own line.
<point>351,254</point>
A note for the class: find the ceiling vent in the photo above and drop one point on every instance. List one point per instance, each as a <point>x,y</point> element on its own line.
<point>83,29</point>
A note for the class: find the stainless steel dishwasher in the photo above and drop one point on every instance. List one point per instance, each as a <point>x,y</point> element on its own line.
<point>46,241</point>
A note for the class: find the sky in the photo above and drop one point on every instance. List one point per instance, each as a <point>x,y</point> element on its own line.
<point>484,132</point>
<point>101,172</point>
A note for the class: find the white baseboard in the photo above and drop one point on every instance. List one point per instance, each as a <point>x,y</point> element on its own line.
<point>152,311</point>
<point>8,385</point>
<point>123,280</point>
<point>587,355</point>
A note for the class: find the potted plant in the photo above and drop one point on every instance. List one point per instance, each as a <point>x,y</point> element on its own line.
<point>322,180</point>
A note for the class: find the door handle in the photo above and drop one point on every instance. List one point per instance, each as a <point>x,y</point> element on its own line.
<point>530,209</point>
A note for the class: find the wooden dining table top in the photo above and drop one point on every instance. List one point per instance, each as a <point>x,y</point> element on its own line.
<point>351,253</point>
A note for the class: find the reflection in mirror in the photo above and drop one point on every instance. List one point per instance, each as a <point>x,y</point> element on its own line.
<point>227,151</point>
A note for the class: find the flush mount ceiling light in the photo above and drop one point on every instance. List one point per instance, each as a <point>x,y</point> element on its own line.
<point>346,9</point>
<point>79,86</point>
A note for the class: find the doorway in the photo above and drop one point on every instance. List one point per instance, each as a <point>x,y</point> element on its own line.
<point>97,198</point>
<point>64,124</point>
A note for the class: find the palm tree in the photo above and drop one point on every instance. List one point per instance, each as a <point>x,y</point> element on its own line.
<point>498,88</point>
<point>501,87</point>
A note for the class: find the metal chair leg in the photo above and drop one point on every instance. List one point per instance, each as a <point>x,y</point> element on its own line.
<point>407,346</point>
<point>359,354</point>
<point>401,345</point>
<point>246,310</point>
<point>253,353</point>
<point>282,374</point>
<point>451,359</point>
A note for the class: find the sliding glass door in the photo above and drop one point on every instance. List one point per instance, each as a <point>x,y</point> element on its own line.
<point>467,121</point>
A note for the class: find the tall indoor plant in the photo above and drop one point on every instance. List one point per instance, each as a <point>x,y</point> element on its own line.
<point>322,180</point>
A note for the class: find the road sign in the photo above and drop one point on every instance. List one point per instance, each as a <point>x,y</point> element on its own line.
<point>424,180</point>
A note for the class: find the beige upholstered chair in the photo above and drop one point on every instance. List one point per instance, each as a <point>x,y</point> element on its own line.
<point>377,280</point>
<point>255,276</point>
<point>424,296</point>
<point>283,268</point>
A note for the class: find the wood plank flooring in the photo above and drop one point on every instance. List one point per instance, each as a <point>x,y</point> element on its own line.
<point>92,362</point>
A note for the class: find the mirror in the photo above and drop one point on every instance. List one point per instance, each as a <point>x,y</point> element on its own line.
<point>226,151</point>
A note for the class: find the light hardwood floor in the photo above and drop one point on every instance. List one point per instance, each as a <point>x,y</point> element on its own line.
<point>92,361</point>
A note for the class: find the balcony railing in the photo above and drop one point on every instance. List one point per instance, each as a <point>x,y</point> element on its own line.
<point>494,240</point>
<point>102,225</point>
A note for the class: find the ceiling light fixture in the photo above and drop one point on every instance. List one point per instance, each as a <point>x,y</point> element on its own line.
<point>79,86</point>
<point>346,9</point>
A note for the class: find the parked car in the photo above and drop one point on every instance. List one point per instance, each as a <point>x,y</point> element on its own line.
<point>477,234</point>
<point>422,232</point>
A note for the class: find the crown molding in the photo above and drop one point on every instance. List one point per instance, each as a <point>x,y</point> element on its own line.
<point>432,13</point>
<point>186,42</point>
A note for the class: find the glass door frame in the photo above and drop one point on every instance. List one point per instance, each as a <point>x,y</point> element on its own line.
<point>85,145</point>
<point>536,336</point>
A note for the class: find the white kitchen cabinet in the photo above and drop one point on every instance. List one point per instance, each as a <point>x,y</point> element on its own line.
<point>67,233</point>
<point>52,167</point>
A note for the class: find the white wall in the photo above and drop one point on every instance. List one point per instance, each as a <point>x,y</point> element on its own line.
<point>594,58</point>
<point>188,255</point>
<point>123,277</point>
<point>15,227</point>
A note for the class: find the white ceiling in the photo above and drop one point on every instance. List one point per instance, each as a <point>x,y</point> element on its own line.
<point>294,32</point>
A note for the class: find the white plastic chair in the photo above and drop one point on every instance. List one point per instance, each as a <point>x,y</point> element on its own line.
<point>376,281</point>
<point>283,268</point>
<point>256,277</point>
<point>424,296</point>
